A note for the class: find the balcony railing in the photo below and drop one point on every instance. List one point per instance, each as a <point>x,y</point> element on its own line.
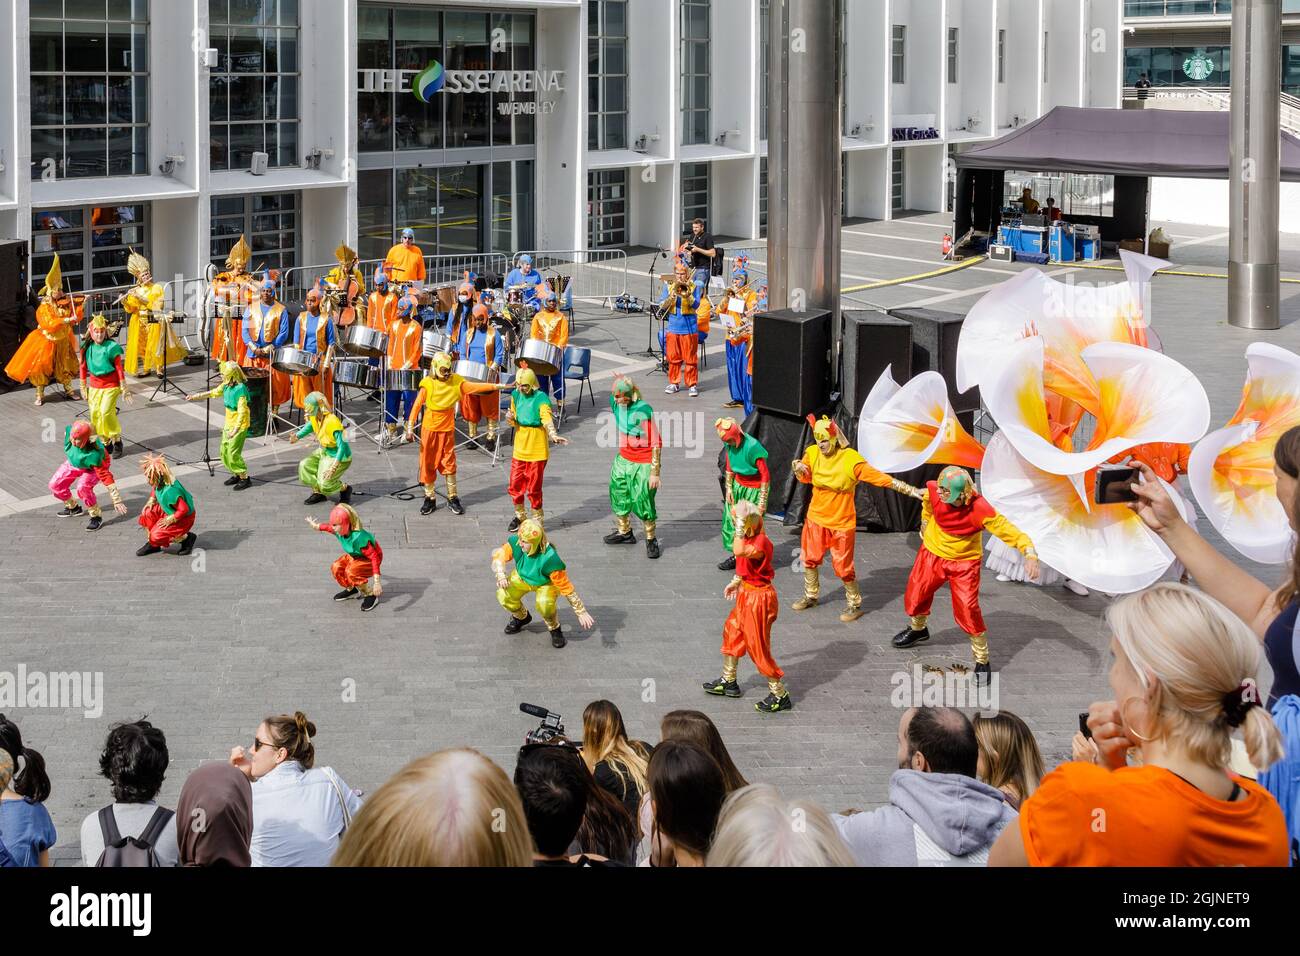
<point>1192,8</point>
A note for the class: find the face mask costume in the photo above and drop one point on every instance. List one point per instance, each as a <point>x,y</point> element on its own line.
<point>635,475</point>
<point>539,569</point>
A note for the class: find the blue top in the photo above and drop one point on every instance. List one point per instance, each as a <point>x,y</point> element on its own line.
<point>430,317</point>
<point>532,280</point>
<point>27,830</point>
<point>5,859</point>
<point>308,334</point>
<point>458,319</point>
<point>680,323</point>
<point>475,347</point>
<point>1281,648</point>
<point>281,332</point>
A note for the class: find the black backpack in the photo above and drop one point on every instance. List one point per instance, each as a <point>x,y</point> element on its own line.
<point>120,851</point>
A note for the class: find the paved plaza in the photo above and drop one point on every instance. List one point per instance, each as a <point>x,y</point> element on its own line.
<point>206,646</point>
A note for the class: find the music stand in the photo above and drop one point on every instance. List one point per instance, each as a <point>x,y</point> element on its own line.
<point>164,322</point>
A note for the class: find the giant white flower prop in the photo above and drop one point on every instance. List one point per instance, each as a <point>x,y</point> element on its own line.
<point>904,427</point>
<point>1231,469</point>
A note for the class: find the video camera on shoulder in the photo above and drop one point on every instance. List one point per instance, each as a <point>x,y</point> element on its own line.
<point>551,729</point>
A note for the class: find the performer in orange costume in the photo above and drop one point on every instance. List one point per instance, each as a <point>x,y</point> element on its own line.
<point>748,630</point>
<point>834,470</point>
<point>381,308</point>
<point>405,349</point>
<point>357,569</point>
<point>232,292</point>
<point>314,332</point>
<point>481,343</point>
<point>404,263</point>
<point>954,517</point>
<point>49,353</point>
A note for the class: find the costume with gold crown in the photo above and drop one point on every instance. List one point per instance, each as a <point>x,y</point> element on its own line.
<point>538,568</point>
<point>49,353</point>
<point>148,323</point>
<point>234,395</point>
<point>168,515</point>
<point>233,291</point>
<point>344,288</point>
<point>103,378</point>
<point>748,629</point>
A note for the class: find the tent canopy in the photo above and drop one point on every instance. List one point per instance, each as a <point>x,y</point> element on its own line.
<point>1146,142</point>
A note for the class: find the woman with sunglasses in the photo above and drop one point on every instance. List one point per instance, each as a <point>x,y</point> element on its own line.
<point>299,811</point>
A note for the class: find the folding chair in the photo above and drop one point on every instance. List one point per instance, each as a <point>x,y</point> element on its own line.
<point>578,360</point>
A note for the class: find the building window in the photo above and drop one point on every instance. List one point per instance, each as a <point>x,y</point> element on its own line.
<point>695,71</point>
<point>898,53</point>
<point>762,196</point>
<point>513,208</point>
<point>268,220</point>
<point>695,195</point>
<point>952,54</point>
<point>89,88</point>
<point>1002,56</point>
<point>606,208</point>
<point>253,92</point>
<point>896,181</point>
<point>764,48</point>
<point>93,243</point>
<point>607,74</point>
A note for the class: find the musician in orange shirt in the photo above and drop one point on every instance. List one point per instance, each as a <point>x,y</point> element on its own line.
<point>404,263</point>
<point>552,327</point>
<point>405,349</point>
<point>381,308</point>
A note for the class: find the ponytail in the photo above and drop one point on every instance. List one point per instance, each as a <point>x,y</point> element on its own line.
<point>1262,738</point>
<point>31,782</point>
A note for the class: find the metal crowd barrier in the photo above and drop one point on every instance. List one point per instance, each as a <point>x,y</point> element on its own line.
<point>594,275</point>
<point>439,270</point>
<point>757,267</point>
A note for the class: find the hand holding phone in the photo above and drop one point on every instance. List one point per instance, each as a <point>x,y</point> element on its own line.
<point>1115,486</point>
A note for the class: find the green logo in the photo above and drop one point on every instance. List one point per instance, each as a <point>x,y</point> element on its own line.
<point>1198,66</point>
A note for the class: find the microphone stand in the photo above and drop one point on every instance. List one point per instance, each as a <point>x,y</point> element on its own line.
<point>650,350</point>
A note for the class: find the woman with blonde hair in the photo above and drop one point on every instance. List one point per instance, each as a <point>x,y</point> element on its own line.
<point>617,763</point>
<point>1183,672</point>
<point>450,808</point>
<point>1009,758</point>
<point>759,827</point>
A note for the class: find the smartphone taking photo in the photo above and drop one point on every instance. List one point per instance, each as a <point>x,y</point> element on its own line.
<point>1115,486</point>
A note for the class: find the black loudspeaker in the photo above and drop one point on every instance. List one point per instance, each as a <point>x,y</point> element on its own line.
<point>934,349</point>
<point>873,341</point>
<point>792,361</point>
<point>13,274</point>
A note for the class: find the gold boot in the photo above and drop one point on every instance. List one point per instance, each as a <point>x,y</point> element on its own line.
<point>853,597</point>
<point>811,589</point>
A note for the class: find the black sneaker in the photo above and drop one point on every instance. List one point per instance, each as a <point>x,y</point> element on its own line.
<point>146,549</point>
<point>619,537</point>
<point>728,563</point>
<point>490,445</point>
<point>114,449</point>
<point>95,523</point>
<point>454,504</point>
<point>232,480</point>
<point>514,525</point>
<point>187,543</point>
<point>652,548</point>
<point>771,704</point>
<point>347,594</point>
<point>315,499</point>
<point>69,512</point>
<point>983,673</point>
<point>517,624</point>
<point>345,496</point>
<point>557,637</point>
<point>370,603</point>
<point>723,688</point>
<point>429,507</point>
<point>907,637</point>
<point>243,483</point>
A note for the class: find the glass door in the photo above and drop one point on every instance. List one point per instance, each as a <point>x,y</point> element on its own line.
<point>460,195</point>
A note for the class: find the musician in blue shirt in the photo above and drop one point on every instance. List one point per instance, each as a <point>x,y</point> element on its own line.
<point>525,275</point>
<point>682,342</point>
<point>266,328</point>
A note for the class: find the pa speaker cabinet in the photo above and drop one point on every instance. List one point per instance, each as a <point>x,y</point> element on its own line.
<point>873,342</point>
<point>13,274</point>
<point>934,349</point>
<point>792,361</point>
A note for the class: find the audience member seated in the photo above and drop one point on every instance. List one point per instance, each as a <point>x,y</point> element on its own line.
<point>756,828</point>
<point>25,824</point>
<point>607,830</point>
<point>686,793</point>
<point>938,813</point>
<point>1009,758</point>
<point>450,808</point>
<point>1183,672</point>
<point>214,817</point>
<point>135,761</point>
<point>617,764</point>
<point>554,785</point>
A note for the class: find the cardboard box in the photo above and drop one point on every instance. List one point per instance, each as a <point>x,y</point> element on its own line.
<point>1133,245</point>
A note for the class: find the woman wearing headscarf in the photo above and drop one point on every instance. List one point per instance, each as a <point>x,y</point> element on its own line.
<point>214,819</point>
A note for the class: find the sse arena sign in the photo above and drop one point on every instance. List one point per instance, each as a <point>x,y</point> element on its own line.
<point>433,79</point>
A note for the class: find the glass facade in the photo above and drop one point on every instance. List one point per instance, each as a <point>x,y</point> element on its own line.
<point>762,195</point>
<point>89,88</point>
<point>269,221</point>
<point>695,195</point>
<point>953,44</point>
<point>1190,8</point>
<point>607,208</point>
<point>253,92</point>
<point>1199,66</point>
<point>607,68</point>
<point>695,30</point>
<point>898,54</point>
<point>93,243</point>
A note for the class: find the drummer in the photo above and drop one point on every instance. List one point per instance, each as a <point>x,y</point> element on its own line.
<point>381,308</point>
<point>523,276</point>
<point>405,262</point>
<point>550,326</point>
<point>266,328</point>
<point>440,390</point>
<point>405,349</point>
<point>314,333</point>
<point>458,320</point>
<point>482,344</point>
<point>430,317</point>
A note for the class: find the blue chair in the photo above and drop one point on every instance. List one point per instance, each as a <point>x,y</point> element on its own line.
<point>577,367</point>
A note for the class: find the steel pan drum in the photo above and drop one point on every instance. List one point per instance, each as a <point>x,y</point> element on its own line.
<point>433,342</point>
<point>445,298</point>
<point>476,371</point>
<point>542,357</point>
<point>259,399</point>
<point>402,379</point>
<point>295,361</point>
<point>357,374</point>
<point>363,340</point>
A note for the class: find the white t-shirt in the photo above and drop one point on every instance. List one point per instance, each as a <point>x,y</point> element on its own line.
<point>297,818</point>
<point>132,819</point>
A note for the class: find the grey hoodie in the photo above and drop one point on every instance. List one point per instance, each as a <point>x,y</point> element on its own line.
<point>933,819</point>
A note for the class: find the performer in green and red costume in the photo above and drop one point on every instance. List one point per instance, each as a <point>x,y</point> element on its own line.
<point>748,631</point>
<point>358,568</point>
<point>540,569</point>
<point>169,513</point>
<point>634,477</point>
<point>103,381</point>
<point>87,464</point>
<point>746,478</point>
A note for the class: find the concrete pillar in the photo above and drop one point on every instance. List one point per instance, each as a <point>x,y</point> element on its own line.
<point>804,159</point>
<point>1254,162</point>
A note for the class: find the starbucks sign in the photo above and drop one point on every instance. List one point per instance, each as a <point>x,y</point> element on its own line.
<point>1198,66</point>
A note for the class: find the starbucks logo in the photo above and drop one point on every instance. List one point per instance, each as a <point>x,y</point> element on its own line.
<point>1198,66</point>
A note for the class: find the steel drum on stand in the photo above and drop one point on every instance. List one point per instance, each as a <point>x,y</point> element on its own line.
<point>363,340</point>
<point>542,357</point>
<point>403,379</point>
<point>357,374</point>
<point>295,361</point>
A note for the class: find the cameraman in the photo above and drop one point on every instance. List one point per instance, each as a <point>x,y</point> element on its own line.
<point>699,246</point>
<point>555,787</point>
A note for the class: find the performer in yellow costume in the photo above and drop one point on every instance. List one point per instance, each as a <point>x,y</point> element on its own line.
<point>49,353</point>
<point>322,470</point>
<point>144,336</point>
<point>538,568</point>
<point>233,291</point>
<point>348,298</point>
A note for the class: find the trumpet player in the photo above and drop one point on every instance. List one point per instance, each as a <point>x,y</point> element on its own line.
<point>738,304</point>
<point>682,344</point>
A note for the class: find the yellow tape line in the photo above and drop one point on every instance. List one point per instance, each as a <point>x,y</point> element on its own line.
<point>1167,272</point>
<point>956,267</point>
